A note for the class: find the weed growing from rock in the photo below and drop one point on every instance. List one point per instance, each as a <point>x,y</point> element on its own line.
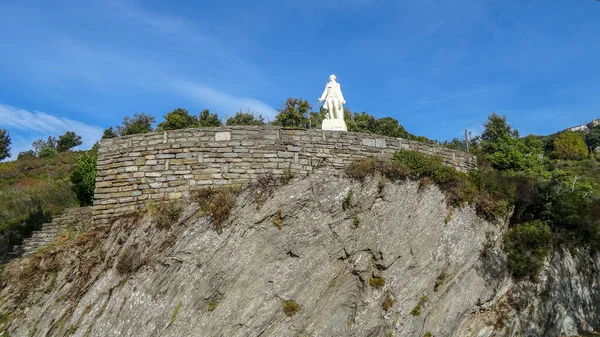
<point>416,310</point>
<point>217,202</point>
<point>278,219</point>
<point>165,214</point>
<point>290,307</point>
<point>356,221</point>
<point>388,302</point>
<point>175,312</point>
<point>212,306</point>
<point>347,200</point>
<point>376,282</point>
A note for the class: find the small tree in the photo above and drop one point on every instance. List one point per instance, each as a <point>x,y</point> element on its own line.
<point>47,152</point>
<point>245,118</point>
<point>389,126</point>
<point>570,145</point>
<point>109,133</point>
<point>294,113</point>
<point>26,154</point>
<point>207,119</point>
<point>178,119</point>
<point>5,142</point>
<point>68,141</point>
<point>140,123</point>
<point>84,178</point>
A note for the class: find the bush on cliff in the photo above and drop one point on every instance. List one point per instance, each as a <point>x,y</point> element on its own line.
<point>527,245</point>
<point>84,178</point>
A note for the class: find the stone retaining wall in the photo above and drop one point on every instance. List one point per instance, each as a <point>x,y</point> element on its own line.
<point>136,169</point>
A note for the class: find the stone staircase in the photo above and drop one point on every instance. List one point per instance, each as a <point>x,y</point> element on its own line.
<point>72,219</point>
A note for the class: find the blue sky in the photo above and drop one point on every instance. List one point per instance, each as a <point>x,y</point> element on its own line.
<point>439,67</point>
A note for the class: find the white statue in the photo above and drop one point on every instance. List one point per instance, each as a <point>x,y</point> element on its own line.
<point>334,104</point>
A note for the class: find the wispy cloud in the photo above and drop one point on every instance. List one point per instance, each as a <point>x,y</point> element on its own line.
<point>38,124</point>
<point>222,100</point>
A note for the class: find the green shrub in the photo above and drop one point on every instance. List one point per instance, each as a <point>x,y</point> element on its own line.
<point>388,302</point>
<point>376,282</point>
<point>356,221</point>
<point>416,310</point>
<point>347,200</point>
<point>212,306</point>
<point>527,245</point>
<point>290,307</point>
<point>278,219</point>
<point>47,152</point>
<point>166,213</point>
<point>216,202</point>
<point>84,178</point>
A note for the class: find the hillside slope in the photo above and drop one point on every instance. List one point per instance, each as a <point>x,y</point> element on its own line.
<point>395,262</point>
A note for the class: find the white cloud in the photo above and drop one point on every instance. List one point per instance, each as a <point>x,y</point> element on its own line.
<point>38,124</point>
<point>221,100</point>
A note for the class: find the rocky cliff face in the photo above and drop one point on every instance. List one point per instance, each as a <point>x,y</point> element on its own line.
<point>349,259</point>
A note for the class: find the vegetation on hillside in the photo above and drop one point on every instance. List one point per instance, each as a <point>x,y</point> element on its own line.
<point>31,191</point>
<point>5,142</point>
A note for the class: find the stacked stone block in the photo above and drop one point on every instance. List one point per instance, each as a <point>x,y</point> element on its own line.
<point>137,169</point>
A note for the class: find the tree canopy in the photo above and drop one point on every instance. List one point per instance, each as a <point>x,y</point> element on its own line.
<point>139,123</point>
<point>178,119</point>
<point>570,145</point>
<point>208,119</point>
<point>294,113</point>
<point>245,118</point>
<point>67,141</point>
<point>5,142</point>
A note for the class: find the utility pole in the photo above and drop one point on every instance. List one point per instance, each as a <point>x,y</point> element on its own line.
<point>467,140</point>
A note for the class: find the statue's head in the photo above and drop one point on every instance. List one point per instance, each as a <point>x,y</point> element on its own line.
<point>332,78</point>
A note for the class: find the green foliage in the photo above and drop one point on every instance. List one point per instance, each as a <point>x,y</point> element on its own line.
<point>84,178</point>
<point>39,145</point>
<point>290,308</point>
<point>570,146</point>
<point>212,306</point>
<point>504,150</point>
<point>207,119</point>
<point>388,126</point>
<point>315,119</point>
<point>245,118</point>
<point>71,330</point>
<point>140,123</point>
<point>356,221</point>
<point>347,200</point>
<point>178,119</point>
<point>416,310</point>
<point>592,138</point>
<point>278,219</point>
<point>175,312</point>
<point>5,142</point>
<point>216,202</point>
<point>68,141</point>
<point>376,282</point>
<point>166,213</point>
<point>388,302</point>
<point>294,114</point>
<point>428,334</point>
<point>26,154</point>
<point>47,152</point>
<point>527,245</point>
<point>109,133</point>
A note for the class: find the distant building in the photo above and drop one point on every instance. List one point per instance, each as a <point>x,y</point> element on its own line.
<point>594,123</point>
<point>580,128</point>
